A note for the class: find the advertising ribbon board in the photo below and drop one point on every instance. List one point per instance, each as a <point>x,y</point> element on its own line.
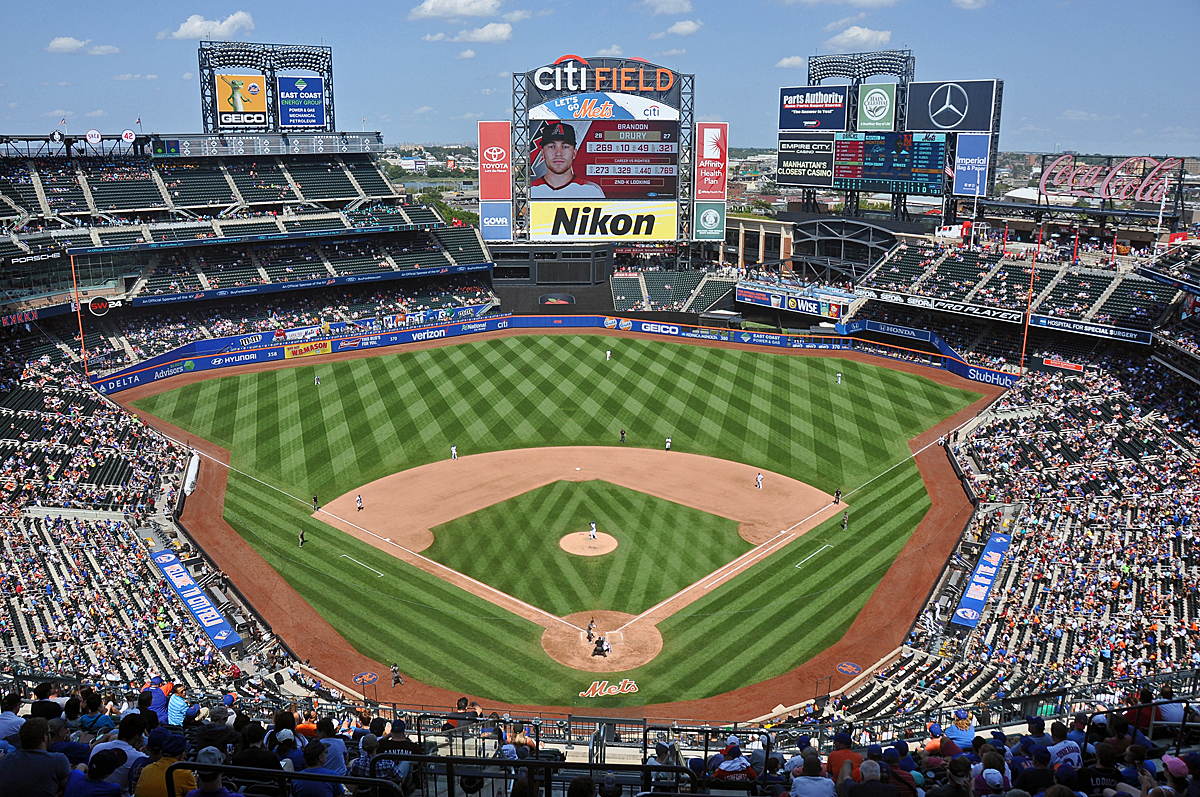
<point>215,626</point>
<point>1095,330</point>
<point>970,606</point>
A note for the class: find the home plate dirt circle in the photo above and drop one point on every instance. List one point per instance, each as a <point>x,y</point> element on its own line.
<point>631,648</point>
<point>581,543</point>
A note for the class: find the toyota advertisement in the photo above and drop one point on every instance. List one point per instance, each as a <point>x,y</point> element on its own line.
<point>953,106</point>
<point>495,181</point>
<point>813,108</point>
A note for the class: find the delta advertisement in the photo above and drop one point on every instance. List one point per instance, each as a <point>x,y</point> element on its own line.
<point>813,108</point>
<point>971,164</point>
<point>301,101</point>
<point>260,347</point>
<point>877,107</point>
<point>241,101</point>
<point>794,304</point>
<point>215,626</point>
<point>970,606</point>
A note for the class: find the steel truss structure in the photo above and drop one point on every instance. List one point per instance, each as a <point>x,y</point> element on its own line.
<point>523,176</point>
<point>857,67</point>
<point>269,59</point>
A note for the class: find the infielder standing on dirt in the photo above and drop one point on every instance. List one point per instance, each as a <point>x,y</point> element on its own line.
<point>668,444</point>
<point>758,480</point>
<point>453,452</point>
<point>358,500</point>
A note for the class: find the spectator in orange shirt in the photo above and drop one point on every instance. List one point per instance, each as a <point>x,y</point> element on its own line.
<point>842,753</point>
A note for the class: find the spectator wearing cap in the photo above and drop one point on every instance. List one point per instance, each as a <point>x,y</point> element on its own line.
<point>991,781</point>
<point>94,782</point>
<point>159,692</point>
<point>397,740</point>
<point>959,771</point>
<point>152,782</point>
<point>60,742</point>
<point>1041,777</point>
<point>291,759</point>
<point>253,752</point>
<point>129,740</point>
<point>809,782</point>
<point>314,764</point>
<point>906,761</point>
<point>33,771</point>
<point>735,767</point>
<point>796,762</point>
<point>1177,779</point>
<point>1066,775</point>
<point>1078,730</point>
<point>869,785</point>
<point>396,772</point>
<point>10,723</point>
<point>840,754</point>
<point>991,760</point>
<point>962,729</point>
<point>1037,732</point>
<point>210,784</point>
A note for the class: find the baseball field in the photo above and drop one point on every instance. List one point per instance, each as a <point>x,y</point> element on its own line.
<point>492,581</point>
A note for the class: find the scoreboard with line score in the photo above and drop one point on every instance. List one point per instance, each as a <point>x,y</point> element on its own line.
<point>213,146</point>
<point>898,163</point>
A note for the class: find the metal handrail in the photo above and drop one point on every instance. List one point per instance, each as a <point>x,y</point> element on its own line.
<point>281,777</point>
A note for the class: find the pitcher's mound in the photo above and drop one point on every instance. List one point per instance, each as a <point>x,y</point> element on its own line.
<point>631,648</point>
<point>581,543</point>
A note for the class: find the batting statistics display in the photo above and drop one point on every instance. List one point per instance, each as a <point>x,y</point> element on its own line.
<point>902,163</point>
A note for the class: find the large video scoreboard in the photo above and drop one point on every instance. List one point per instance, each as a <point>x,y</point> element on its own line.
<point>895,163</point>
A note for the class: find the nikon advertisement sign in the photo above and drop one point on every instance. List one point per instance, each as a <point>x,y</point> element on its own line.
<point>709,221</point>
<point>877,107</point>
<point>602,220</point>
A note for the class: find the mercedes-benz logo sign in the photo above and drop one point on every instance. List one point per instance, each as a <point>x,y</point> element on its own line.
<point>494,154</point>
<point>948,106</point>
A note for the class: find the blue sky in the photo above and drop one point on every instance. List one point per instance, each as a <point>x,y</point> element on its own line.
<point>1089,75</point>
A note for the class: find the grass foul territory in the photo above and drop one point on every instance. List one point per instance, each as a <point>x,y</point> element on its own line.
<point>379,415</point>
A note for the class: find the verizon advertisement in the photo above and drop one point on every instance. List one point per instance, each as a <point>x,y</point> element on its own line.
<point>495,163</point>
<point>712,160</point>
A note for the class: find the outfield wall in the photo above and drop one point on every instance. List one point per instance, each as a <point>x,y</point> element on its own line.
<point>220,353</point>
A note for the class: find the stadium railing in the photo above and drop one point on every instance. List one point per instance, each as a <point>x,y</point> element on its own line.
<point>278,778</point>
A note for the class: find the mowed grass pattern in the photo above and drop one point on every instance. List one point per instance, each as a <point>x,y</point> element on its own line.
<point>514,547</point>
<point>379,415</point>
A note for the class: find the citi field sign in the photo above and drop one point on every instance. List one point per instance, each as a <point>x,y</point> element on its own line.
<point>574,74</point>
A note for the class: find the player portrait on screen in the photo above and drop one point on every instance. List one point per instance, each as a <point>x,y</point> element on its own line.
<point>557,144</point>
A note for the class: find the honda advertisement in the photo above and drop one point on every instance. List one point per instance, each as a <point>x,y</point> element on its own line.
<point>813,108</point>
<point>953,106</point>
<point>971,164</point>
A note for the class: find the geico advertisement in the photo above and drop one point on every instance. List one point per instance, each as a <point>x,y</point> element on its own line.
<point>602,221</point>
<point>241,100</point>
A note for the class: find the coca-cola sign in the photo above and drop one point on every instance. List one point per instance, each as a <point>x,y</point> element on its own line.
<point>1138,179</point>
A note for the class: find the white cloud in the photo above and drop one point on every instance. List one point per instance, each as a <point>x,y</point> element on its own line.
<point>470,117</point>
<point>685,27</point>
<point>857,38</point>
<point>1071,115</point>
<point>971,5</point>
<point>59,114</point>
<point>423,109</point>
<point>186,76</point>
<point>517,16</point>
<point>59,83</point>
<point>674,51</point>
<point>449,9</point>
<point>491,33</point>
<point>504,74</point>
<point>844,21</point>
<point>131,76</point>
<point>151,77</point>
<point>668,6</point>
<point>465,54</point>
<point>66,44</point>
<point>96,113</point>
<point>104,49</point>
<point>611,52</point>
<point>792,62</point>
<point>433,37</point>
<point>197,27</point>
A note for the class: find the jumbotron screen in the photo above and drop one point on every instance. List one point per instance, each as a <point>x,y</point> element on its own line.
<point>898,163</point>
<point>604,159</point>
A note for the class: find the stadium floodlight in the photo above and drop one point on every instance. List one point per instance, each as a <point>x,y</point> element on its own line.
<point>269,60</point>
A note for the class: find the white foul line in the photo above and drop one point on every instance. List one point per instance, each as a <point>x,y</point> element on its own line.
<point>814,553</point>
<point>352,559</point>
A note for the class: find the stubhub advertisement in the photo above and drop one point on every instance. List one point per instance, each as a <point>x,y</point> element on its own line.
<point>495,221</point>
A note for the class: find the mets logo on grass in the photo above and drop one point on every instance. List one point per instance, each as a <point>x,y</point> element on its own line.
<point>604,689</point>
<point>306,349</point>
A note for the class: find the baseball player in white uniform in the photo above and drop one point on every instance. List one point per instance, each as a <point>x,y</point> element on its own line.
<point>839,377</point>
<point>453,452</point>
<point>592,533</point>
<point>758,480</point>
<point>608,355</point>
<point>358,501</point>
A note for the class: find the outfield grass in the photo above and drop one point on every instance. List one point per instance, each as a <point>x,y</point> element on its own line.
<point>379,415</point>
<point>514,546</point>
